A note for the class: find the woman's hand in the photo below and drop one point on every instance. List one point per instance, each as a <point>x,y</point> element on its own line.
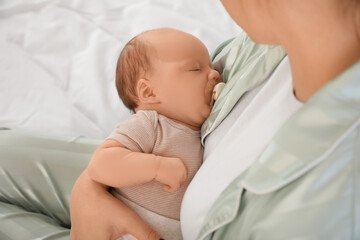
<point>96,214</point>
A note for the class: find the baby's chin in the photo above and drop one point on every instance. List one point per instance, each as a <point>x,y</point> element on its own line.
<point>205,113</point>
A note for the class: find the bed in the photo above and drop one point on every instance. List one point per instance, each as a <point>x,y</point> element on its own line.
<point>57,60</point>
<point>57,92</point>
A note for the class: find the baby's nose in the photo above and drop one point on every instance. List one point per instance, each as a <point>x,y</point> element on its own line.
<point>214,75</point>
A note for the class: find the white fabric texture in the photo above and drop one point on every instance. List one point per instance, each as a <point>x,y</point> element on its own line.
<point>57,61</point>
<point>233,147</point>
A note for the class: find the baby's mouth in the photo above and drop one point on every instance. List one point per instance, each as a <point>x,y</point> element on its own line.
<point>216,89</point>
<point>209,91</point>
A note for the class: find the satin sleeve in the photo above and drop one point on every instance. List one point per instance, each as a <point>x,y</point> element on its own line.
<point>37,173</point>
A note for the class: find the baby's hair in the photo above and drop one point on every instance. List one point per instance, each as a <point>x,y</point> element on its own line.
<point>133,63</point>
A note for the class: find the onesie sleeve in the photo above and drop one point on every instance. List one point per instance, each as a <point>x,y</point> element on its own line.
<point>138,133</point>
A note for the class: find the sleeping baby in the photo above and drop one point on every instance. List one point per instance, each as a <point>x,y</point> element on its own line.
<point>166,78</point>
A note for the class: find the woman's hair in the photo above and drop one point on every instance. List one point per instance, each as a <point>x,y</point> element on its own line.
<point>133,62</point>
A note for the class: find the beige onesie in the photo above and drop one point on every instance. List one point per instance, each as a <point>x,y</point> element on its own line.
<point>150,132</point>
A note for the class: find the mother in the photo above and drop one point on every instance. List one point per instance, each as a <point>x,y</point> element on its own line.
<point>301,137</point>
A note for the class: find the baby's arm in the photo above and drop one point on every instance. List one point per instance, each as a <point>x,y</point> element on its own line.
<point>114,165</point>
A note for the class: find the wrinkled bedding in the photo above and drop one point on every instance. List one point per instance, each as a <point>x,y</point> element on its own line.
<point>58,58</point>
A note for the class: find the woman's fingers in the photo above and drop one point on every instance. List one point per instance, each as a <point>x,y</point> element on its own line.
<point>96,214</point>
<point>142,231</point>
<point>93,219</point>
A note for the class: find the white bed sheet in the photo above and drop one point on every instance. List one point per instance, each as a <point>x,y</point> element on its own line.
<point>57,58</point>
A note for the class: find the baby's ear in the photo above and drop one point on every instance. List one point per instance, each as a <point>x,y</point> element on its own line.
<point>145,91</point>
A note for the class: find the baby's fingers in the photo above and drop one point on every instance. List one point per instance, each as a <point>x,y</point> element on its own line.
<point>168,188</point>
<point>182,173</point>
<point>184,176</point>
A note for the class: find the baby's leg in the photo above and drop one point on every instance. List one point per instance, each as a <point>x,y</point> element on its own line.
<point>167,228</point>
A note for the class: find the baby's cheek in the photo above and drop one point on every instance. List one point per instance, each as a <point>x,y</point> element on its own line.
<point>205,112</point>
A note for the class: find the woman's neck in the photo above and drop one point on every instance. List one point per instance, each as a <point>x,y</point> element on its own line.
<point>314,62</point>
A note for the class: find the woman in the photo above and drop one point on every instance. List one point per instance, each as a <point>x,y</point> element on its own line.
<point>304,176</point>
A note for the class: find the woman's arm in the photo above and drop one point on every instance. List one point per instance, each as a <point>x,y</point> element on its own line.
<point>103,216</point>
<point>114,165</point>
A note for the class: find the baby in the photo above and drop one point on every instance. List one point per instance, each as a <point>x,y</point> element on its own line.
<point>166,77</point>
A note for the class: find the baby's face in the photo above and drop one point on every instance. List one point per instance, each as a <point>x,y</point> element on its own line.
<point>183,77</point>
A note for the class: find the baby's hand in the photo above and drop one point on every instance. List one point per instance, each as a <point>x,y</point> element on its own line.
<point>171,172</point>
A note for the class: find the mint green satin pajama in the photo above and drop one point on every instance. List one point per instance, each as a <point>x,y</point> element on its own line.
<point>37,173</point>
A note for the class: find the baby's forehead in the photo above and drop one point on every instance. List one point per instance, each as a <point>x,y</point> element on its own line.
<point>168,42</point>
<point>156,33</point>
<point>164,37</point>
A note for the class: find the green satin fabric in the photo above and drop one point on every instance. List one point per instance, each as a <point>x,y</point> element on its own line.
<point>17,223</point>
<point>306,183</point>
<point>37,174</point>
<point>243,65</point>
